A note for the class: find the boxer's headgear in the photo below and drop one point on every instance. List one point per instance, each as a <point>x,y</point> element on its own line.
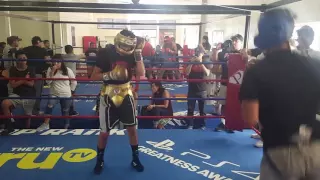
<point>275,27</point>
<point>125,45</point>
<point>307,34</point>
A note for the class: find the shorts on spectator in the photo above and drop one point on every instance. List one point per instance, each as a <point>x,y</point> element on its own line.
<point>222,94</point>
<point>26,104</point>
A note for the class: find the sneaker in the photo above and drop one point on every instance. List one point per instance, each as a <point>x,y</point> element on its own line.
<point>255,136</point>
<point>259,144</point>
<point>190,127</point>
<point>6,132</point>
<point>203,128</point>
<point>99,167</point>
<point>220,127</point>
<point>43,127</point>
<point>73,113</point>
<point>136,164</point>
<point>229,131</point>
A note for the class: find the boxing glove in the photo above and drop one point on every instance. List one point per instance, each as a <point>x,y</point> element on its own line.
<point>118,73</point>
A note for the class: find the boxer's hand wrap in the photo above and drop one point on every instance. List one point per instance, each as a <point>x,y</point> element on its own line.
<point>118,73</point>
<point>138,50</point>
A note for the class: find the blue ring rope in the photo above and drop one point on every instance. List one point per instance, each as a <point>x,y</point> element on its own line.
<point>93,62</point>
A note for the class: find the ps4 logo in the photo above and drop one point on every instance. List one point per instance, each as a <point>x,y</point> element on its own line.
<point>164,145</point>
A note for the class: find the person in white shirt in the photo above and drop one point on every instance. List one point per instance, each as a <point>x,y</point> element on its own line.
<point>59,89</point>
<point>305,39</point>
<point>73,66</point>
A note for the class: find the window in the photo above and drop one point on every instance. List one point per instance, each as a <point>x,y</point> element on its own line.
<point>105,26</point>
<point>145,27</point>
<point>151,34</point>
<point>111,26</point>
<point>217,37</point>
<point>192,36</point>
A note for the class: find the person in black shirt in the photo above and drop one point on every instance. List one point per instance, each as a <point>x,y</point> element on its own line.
<point>3,88</point>
<point>36,52</point>
<point>46,44</point>
<point>91,55</point>
<point>197,90</point>
<point>21,88</point>
<point>205,43</point>
<point>157,108</point>
<point>2,46</point>
<point>281,91</point>
<point>114,66</point>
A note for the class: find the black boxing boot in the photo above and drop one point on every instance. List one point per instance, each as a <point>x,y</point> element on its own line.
<point>100,162</point>
<point>8,127</point>
<point>135,163</point>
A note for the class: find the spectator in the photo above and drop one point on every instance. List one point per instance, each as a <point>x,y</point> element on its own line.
<point>3,88</point>
<point>36,52</point>
<point>305,39</point>
<point>9,50</point>
<point>91,55</point>
<point>21,88</point>
<point>73,66</point>
<point>205,44</point>
<point>2,46</point>
<point>179,47</point>
<point>197,90</point>
<point>157,107</point>
<point>59,89</point>
<point>148,54</point>
<point>236,46</point>
<point>46,44</point>
<point>273,92</point>
<point>169,49</point>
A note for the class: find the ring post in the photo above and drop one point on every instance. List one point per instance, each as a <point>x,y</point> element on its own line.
<point>236,67</point>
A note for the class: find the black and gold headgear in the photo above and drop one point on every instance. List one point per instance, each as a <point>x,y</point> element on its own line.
<point>125,45</point>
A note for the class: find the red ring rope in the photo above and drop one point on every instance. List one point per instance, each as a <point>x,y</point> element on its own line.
<point>256,130</point>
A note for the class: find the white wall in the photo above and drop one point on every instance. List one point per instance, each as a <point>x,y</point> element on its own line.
<point>306,10</point>
<point>25,29</point>
<point>108,34</point>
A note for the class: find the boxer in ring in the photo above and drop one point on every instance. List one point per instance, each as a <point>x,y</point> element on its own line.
<point>114,66</point>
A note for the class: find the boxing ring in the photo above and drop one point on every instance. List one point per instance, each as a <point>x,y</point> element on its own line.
<point>166,154</point>
<point>173,153</point>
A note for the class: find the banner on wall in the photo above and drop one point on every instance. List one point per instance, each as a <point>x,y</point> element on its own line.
<point>89,42</point>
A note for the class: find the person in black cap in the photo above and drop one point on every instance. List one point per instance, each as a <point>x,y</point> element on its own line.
<point>38,53</point>
<point>281,91</point>
<point>9,50</point>
<point>305,39</point>
<point>46,44</point>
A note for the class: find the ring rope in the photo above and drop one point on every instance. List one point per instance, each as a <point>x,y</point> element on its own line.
<point>93,62</point>
<point>96,117</point>
<point>143,80</point>
<point>91,98</point>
